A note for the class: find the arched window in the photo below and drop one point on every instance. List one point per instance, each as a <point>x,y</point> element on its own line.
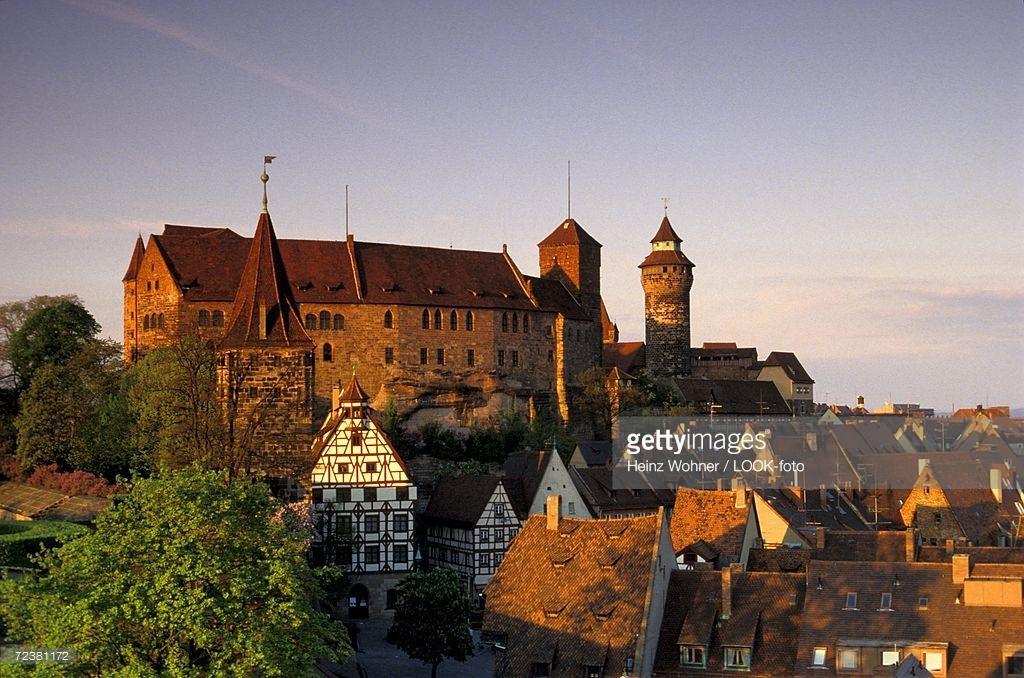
<point>218,318</point>
<point>145,322</point>
<point>469,321</point>
<point>437,318</point>
<point>204,318</point>
<point>339,321</point>
<point>310,321</point>
<point>504,322</point>
<point>526,323</point>
<point>160,321</point>
<point>328,353</point>
<point>453,321</point>
<point>325,320</point>
<point>515,322</point>
<point>426,319</point>
<point>389,319</point>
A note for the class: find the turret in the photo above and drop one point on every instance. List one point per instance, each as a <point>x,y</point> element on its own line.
<point>571,255</point>
<point>667,276</point>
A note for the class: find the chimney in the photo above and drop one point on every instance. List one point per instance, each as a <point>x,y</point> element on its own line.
<point>961,567</point>
<point>823,496</point>
<point>819,538</point>
<point>950,546</point>
<point>910,544</point>
<point>552,509</point>
<point>995,482</point>
<point>263,320</point>
<point>739,496</point>
<point>335,396</point>
<point>726,593</point>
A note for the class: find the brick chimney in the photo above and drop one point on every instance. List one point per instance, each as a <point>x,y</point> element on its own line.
<point>910,545</point>
<point>739,497</point>
<point>995,482</point>
<point>552,508</point>
<point>819,538</point>
<point>950,546</point>
<point>335,396</point>
<point>961,567</point>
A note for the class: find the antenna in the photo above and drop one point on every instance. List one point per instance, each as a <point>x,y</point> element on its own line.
<point>568,189</point>
<point>665,200</point>
<point>346,211</point>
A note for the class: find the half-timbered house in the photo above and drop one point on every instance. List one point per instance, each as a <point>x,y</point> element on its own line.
<point>363,499</point>
<point>469,525</point>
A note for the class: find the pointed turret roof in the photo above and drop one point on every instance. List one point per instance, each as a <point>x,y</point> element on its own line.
<point>264,312</point>
<point>666,233</point>
<point>353,393</point>
<point>569,233</point>
<point>136,262</point>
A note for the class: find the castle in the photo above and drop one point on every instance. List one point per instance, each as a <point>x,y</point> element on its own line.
<point>445,333</point>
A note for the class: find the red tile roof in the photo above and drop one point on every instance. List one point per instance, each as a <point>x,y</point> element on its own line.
<point>666,258</point>
<point>628,356</point>
<point>666,233</point>
<point>569,233</point>
<point>264,297</point>
<point>353,392</point>
<point>711,516</point>
<point>578,592</point>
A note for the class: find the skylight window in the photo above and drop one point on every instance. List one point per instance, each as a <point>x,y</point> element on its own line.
<point>886,602</point>
<point>851,601</point>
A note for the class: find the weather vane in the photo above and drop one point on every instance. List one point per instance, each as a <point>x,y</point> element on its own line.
<point>267,159</point>
<point>665,200</point>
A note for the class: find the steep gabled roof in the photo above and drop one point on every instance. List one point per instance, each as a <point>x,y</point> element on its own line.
<point>569,233</point>
<point>711,516</point>
<point>790,363</point>
<point>523,472</point>
<point>264,312</point>
<point>666,233</point>
<point>461,500</point>
<point>628,356</point>
<point>353,393</point>
<point>136,260</point>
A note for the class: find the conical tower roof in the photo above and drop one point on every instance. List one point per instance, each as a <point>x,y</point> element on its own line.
<point>666,233</point>
<point>264,312</point>
<point>353,393</point>
<point>569,232</point>
<point>136,263</point>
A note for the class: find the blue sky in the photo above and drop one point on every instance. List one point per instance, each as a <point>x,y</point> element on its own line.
<point>848,177</point>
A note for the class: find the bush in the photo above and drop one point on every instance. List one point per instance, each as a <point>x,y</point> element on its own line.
<point>73,483</point>
<point>21,539</point>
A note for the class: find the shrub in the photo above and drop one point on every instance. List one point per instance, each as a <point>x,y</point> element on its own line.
<point>73,483</point>
<point>21,539</point>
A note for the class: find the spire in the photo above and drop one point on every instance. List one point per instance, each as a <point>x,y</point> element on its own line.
<point>353,393</point>
<point>665,232</point>
<point>267,159</point>
<point>665,246</point>
<point>136,262</point>
<point>264,312</point>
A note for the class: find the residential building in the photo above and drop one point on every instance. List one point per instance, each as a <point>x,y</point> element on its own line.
<point>531,477</point>
<point>789,376</point>
<point>712,528</point>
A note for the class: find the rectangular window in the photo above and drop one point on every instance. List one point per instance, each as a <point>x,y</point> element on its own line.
<point>485,535</point>
<point>572,508</point>
<point>922,603</point>
<point>501,357</point>
<point>341,469</point>
<point>440,356</point>
<point>401,552</point>
<point>423,356</point>
<point>371,523</point>
<point>370,467</point>
<point>1015,666</point>
<point>691,656</point>
<point>890,657</point>
<point>485,560</point>
<point>343,525</point>
<point>389,355</point>
<point>370,494</point>
<point>848,659</point>
<point>372,554</point>
<point>402,493</point>
<point>886,602</point>
<point>851,601</point>
<point>515,358</point>
<point>401,522</point>
<point>737,658</point>
<point>470,357</point>
<point>819,656</point>
<point>499,510</point>
<point>933,661</point>
<point>318,496</point>
<point>344,494</point>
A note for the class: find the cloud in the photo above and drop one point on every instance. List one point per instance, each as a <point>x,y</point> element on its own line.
<point>135,17</point>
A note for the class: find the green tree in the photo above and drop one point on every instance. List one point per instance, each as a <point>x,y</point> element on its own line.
<point>75,415</point>
<point>595,403</point>
<point>185,574</point>
<point>13,315</point>
<point>52,334</point>
<point>432,618</point>
<point>173,395</point>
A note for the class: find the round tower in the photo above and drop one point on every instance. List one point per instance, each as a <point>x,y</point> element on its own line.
<point>667,276</point>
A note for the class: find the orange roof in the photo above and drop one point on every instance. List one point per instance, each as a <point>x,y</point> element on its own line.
<point>569,233</point>
<point>578,591</point>
<point>264,298</point>
<point>708,515</point>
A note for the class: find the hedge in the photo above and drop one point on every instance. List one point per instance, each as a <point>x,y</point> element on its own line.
<point>21,538</point>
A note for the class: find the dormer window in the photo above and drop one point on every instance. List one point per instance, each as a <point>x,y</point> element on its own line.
<point>819,656</point>
<point>693,655</point>
<point>922,603</point>
<point>737,658</point>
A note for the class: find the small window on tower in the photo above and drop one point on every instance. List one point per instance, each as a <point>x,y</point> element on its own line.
<point>453,321</point>
<point>423,356</point>
<point>328,353</point>
<point>437,318</point>
<point>389,319</point>
<point>339,321</point>
<point>325,320</point>
<point>218,318</point>
<point>310,321</point>
<point>470,357</point>
<point>504,322</point>
<point>515,322</point>
<point>469,321</point>
<point>204,318</point>
<point>440,356</point>
<point>426,319</point>
<point>501,357</point>
<point>389,355</point>
<point>526,323</point>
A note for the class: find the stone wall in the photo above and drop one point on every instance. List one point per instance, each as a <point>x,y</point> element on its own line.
<point>667,314</point>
